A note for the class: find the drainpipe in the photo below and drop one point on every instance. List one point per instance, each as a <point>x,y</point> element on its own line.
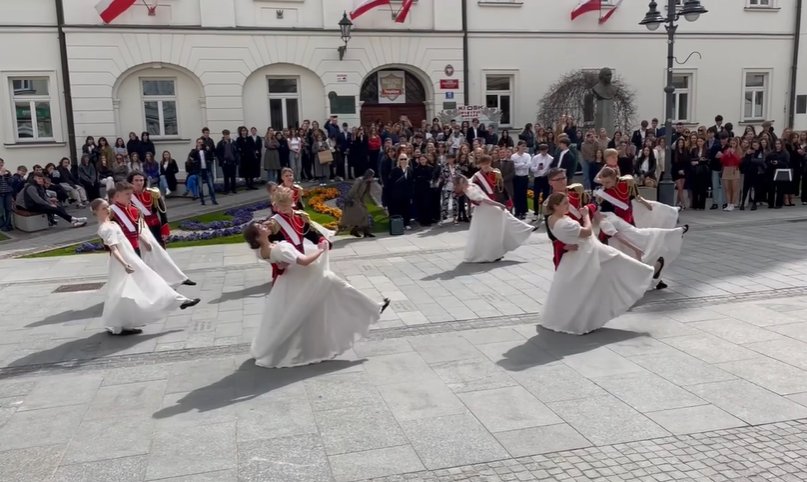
<point>794,70</point>
<point>68,96</point>
<point>466,69</point>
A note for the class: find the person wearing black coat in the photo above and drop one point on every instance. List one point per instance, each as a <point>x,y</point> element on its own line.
<point>249,167</point>
<point>357,156</point>
<point>700,172</point>
<point>400,189</point>
<point>753,169</point>
<point>777,159</point>
<point>132,145</point>
<point>423,174</point>
<point>388,163</point>
<point>146,146</point>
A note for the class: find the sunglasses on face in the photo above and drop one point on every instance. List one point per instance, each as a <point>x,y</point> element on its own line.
<point>558,179</point>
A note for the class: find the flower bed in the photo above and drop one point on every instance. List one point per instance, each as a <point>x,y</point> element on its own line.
<point>316,200</point>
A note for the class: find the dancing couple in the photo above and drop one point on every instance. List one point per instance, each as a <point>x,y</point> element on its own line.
<point>311,314</point>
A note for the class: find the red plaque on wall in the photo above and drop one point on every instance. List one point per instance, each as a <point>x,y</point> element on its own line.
<point>449,84</point>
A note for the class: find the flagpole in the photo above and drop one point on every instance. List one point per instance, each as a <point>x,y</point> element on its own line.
<point>68,95</point>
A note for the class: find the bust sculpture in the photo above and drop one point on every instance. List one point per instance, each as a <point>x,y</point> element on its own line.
<point>605,90</point>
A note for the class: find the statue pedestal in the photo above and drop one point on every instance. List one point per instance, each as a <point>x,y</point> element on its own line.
<point>605,115</point>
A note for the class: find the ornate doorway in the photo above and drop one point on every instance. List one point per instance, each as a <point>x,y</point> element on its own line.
<point>375,108</point>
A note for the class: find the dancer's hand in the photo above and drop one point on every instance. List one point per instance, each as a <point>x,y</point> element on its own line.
<point>128,268</point>
<point>323,245</point>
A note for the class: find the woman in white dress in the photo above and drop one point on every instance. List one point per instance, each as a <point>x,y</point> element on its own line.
<point>157,258</point>
<point>494,231</point>
<point>311,314</point>
<point>609,281</point>
<point>135,295</point>
<point>654,247</point>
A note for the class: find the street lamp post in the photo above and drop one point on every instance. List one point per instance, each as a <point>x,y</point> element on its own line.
<point>691,11</point>
<point>345,25</point>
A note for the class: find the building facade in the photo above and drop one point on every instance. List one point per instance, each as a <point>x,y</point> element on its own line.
<point>225,63</point>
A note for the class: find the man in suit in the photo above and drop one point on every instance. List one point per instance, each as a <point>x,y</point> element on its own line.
<point>656,130</point>
<point>258,140</point>
<point>343,140</point>
<point>718,127</point>
<point>565,159</point>
<point>474,132</point>
<point>639,135</point>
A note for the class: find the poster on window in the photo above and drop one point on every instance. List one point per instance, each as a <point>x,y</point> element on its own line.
<point>392,87</point>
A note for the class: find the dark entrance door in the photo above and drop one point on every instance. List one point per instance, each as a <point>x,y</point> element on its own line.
<point>372,111</point>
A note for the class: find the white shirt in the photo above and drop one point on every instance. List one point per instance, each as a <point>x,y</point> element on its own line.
<point>202,159</point>
<point>522,163</point>
<point>540,164</point>
<point>294,144</point>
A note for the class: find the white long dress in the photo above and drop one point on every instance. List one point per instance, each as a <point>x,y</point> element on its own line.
<point>158,259</point>
<point>311,314</point>
<point>655,243</point>
<point>493,232</point>
<point>592,285</point>
<point>662,216</point>
<point>135,299</point>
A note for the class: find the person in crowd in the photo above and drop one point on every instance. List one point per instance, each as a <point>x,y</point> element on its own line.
<point>168,174</point>
<point>201,161</point>
<point>248,162</point>
<point>119,148</point>
<point>355,216</point>
<point>400,189</point>
<point>778,174</point>
<point>146,146</point>
<point>151,169</point>
<point>104,149</point>
<point>521,180</point>
<point>33,198</point>
<point>228,155</point>
<point>68,182</point>
<point>422,174</point>
<point>133,145</point>
<point>88,176</point>
<point>730,163</point>
<point>753,170</point>
<point>698,173</point>
<point>271,155</point>
<point>18,180</point>
<point>6,198</point>
<point>91,149</point>
<point>134,162</point>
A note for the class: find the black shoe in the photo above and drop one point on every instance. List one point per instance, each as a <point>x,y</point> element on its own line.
<point>753,207</point>
<point>127,332</point>
<point>355,233</point>
<point>661,285</point>
<point>188,282</point>
<point>714,206</point>
<point>742,208</point>
<point>189,303</point>
<point>686,228</point>
<point>725,205</point>
<point>369,235</point>
<point>657,274</point>
<point>385,304</point>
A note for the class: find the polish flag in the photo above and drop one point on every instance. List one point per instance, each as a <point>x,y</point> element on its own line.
<point>360,7</point>
<point>604,18</point>
<point>110,9</point>
<point>586,6</point>
<point>402,14</point>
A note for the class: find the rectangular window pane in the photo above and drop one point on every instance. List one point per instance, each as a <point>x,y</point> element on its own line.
<point>152,112</point>
<point>25,125</point>
<point>158,87</point>
<point>30,86</point>
<point>492,100</point>
<point>292,113</point>
<point>681,81</point>
<point>44,126</point>
<point>683,104</point>
<point>497,82</point>
<point>674,107</point>
<point>748,111</point>
<point>504,101</point>
<point>276,113</point>
<point>170,126</point>
<point>754,80</point>
<point>801,104</point>
<point>282,86</point>
<point>758,104</point>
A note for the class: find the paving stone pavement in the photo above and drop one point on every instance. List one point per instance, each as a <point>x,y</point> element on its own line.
<point>703,382</point>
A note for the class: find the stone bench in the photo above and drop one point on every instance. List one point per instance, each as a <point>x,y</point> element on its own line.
<point>29,222</point>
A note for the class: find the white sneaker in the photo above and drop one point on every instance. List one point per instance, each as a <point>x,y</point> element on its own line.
<point>727,207</point>
<point>408,228</point>
<point>79,222</point>
<point>730,207</point>
<point>167,192</point>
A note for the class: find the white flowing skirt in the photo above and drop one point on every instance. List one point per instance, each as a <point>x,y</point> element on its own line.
<point>655,243</point>
<point>661,216</point>
<point>158,259</point>
<point>139,298</point>
<point>592,286</point>
<point>311,315</point>
<point>493,233</point>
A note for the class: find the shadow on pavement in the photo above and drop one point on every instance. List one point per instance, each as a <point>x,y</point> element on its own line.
<point>549,346</point>
<point>259,290</point>
<point>468,269</point>
<point>91,312</point>
<point>247,382</point>
<point>76,353</point>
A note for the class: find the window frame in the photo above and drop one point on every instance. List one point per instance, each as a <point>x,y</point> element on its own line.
<point>511,92</point>
<point>757,5</point>
<point>283,97</point>
<point>160,99</point>
<point>690,91</point>
<point>765,89</point>
<point>32,100</point>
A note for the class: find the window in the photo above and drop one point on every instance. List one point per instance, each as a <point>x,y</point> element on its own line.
<point>761,3</point>
<point>32,108</point>
<point>499,95</point>
<point>801,104</point>
<point>755,96</point>
<point>284,102</point>
<point>682,97</point>
<point>160,107</point>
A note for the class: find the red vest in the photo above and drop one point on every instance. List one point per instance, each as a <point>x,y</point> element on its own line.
<point>133,214</point>
<point>297,223</point>
<point>152,219</point>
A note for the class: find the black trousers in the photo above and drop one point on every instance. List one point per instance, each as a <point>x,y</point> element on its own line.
<point>776,193</point>
<point>750,182</point>
<point>229,177</point>
<point>307,166</point>
<point>156,231</point>
<point>540,189</point>
<point>57,211</point>
<point>520,184</point>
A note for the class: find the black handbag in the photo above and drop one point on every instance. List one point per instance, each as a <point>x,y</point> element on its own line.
<point>783,175</point>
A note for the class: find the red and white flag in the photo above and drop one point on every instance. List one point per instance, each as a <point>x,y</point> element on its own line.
<point>360,7</point>
<point>586,6</point>
<point>110,9</point>
<point>402,14</point>
<point>604,18</point>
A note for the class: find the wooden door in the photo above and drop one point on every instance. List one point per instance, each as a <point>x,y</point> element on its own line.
<point>392,113</point>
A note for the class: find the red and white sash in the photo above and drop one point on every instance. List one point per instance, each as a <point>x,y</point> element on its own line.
<point>290,233</point>
<point>575,212</point>
<point>140,206</point>
<point>123,218</point>
<point>484,183</point>
<point>611,199</point>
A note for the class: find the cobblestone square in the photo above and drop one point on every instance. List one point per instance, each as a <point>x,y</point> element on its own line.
<point>702,381</point>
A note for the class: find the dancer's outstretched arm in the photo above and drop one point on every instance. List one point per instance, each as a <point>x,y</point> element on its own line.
<point>115,252</point>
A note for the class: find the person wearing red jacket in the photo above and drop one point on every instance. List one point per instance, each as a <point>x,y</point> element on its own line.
<point>730,158</point>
